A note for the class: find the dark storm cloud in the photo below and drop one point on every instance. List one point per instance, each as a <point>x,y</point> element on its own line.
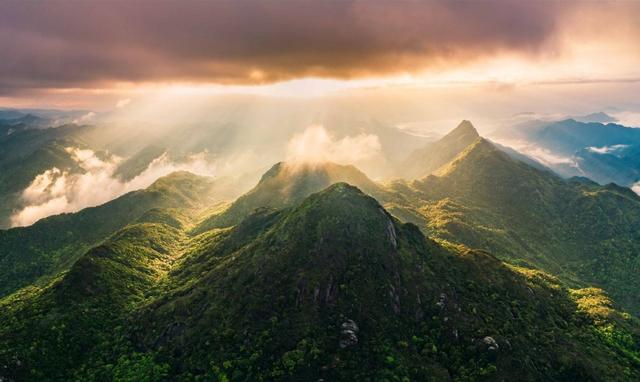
<point>82,43</point>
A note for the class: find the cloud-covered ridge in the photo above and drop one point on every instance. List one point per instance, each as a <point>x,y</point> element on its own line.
<point>56,191</point>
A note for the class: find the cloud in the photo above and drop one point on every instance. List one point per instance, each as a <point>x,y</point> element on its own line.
<point>85,118</point>
<point>61,44</point>
<point>316,145</point>
<point>607,149</point>
<point>56,191</point>
<point>122,103</point>
<point>636,188</point>
<point>538,153</point>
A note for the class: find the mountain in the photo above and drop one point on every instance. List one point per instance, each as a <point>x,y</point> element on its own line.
<point>286,184</point>
<point>428,159</point>
<point>619,163</point>
<point>22,143</point>
<point>585,233</point>
<point>334,288</point>
<point>568,136</point>
<point>479,200</point>
<point>10,114</point>
<point>27,150</point>
<point>485,268</point>
<point>598,117</point>
<point>9,126</point>
<point>54,117</point>
<point>38,252</point>
<point>17,174</point>
<point>603,152</point>
<point>78,314</point>
<point>138,162</point>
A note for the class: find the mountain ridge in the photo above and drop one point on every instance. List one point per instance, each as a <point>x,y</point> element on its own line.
<point>285,184</point>
<point>431,157</point>
<point>52,244</point>
<point>484,199</point>
<point>334,288</point>
<point>305,277</point>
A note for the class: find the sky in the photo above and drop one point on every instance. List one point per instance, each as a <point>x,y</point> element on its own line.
<point>105,55</point>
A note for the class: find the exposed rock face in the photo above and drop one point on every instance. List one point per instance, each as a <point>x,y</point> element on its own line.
<point>348,334</point>
<point>490,343</point>
<point>391,230</point>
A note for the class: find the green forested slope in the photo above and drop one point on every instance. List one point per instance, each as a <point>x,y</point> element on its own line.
<point>286,184</point>
<point>305,279</point>
<point>334,288</point>
<point>51,245</point>
<point>583,232</point>
<point>49,333</point>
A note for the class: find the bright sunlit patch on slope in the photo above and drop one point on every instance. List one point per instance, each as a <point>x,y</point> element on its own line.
<point>316,145</point>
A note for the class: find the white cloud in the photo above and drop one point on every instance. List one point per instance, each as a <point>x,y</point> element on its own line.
<point>56,191</point>
<point>84,118</point>
<point>316,145</point>
<point>636,188</point>
<point>122,103</point>
<point>538,153</point>
<point>606,149</point>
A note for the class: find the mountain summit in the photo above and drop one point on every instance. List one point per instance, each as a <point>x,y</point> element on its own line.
<point>428,159</point>
<point>285,184</point>
<point>464,130</point>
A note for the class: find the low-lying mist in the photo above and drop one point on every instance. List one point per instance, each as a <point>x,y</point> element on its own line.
<point>316,145</point>
<point>57,191</point>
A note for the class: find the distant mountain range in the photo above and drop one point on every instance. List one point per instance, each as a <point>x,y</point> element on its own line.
<point>482,268</point>
<point>597,117</point>
<point>603,152</point>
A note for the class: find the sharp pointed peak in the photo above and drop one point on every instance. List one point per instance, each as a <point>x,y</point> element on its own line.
<point>464,128</point>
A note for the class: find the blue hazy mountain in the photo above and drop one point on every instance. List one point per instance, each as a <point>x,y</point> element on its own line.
<point>604,152</point>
